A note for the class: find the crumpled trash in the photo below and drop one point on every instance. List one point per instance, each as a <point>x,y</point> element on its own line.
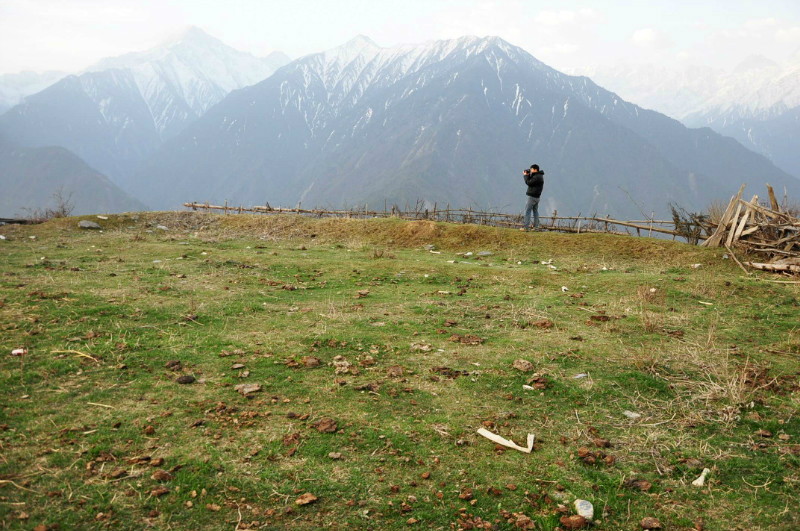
<point>19,351</point>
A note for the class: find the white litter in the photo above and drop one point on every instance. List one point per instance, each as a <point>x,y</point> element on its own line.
<point>699,482</point>
<point>579,376</point>
<point>19,352</point>
<point>505,442</point>
<point>696,266</point>
<point>564,289</point>
<point>102,217</point>
<point>631,414</point>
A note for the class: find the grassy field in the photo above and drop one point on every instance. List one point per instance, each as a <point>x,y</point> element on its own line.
<point>375,350</point>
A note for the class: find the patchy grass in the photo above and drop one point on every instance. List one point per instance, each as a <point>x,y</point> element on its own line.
<point>381,346</point>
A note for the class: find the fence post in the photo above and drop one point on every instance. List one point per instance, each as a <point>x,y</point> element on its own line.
<point>652,218</point>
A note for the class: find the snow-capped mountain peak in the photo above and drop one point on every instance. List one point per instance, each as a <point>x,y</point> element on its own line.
<point>187,74</point>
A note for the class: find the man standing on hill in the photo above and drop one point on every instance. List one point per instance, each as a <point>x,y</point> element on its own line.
<point>534,178</point>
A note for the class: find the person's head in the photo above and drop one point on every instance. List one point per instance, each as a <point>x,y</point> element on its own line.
<point>534,167</point>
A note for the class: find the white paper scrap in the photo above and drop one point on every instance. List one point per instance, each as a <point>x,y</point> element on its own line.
<point>505,442</point>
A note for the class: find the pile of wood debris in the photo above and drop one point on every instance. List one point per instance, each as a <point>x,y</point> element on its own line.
<point>758,230</point>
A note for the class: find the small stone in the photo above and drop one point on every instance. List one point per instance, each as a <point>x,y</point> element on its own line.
<point>173,365</point>
<point>523,365</point>
<point>91,225</point>
<point>335,455</point>
<point>575,521</point>
<point>247,389</point>
<point>159,491</point>
<point>161,475</point>
<point>764,433</point>
<point>395,371</point>
<point>213,507</point>
<point>305,499</point>
<point>326,425</point>
<point>161,227</point>
<point>309,362</point>
<point>585,509</point>
<point>601,443</point>
<point>185,379</point>
<point>639,484</point>
<point>650,523</point>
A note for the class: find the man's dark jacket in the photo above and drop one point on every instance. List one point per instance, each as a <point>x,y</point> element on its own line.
<point>535,182</point>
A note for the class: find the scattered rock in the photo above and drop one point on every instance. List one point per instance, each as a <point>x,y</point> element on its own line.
<point>213,507</point>
<point>601,443</point>
<point>395,371</point>
<point>161,475</point>
<point>159,491</point>
<point>585,509</point>
<point>237,366</point>
<point>173,365</point>
<point>309,362</point>
<point>575,521</point>
<point>247,389</point>
<point>468,339</point>
<point>640,484</point>
<point>326,425</point>
<point>91,225</point>
<point>305,499</point>
<point>764,433</point>
<point>523,365</point>
<point>342,366</point>
<point>335,455</point>
<point>161,227</point>
<point>373,387</point>
<point>185,379</point>
<point>650,523</point>
<point>361,294</point>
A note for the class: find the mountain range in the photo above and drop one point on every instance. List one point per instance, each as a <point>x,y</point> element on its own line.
<point>446,122</point>
<point>757,102</point>
<point>118,112</point>
<point>32,178</point>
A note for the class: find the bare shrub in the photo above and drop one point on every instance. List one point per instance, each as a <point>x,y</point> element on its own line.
<point>689,225</point>
<point>63,207</point>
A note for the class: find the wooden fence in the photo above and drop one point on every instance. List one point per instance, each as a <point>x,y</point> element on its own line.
<point>575,224</point>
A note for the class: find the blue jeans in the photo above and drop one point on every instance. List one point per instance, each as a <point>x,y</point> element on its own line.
<point>532,206</point>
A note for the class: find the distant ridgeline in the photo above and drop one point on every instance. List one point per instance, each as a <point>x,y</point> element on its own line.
<point>449,122</point>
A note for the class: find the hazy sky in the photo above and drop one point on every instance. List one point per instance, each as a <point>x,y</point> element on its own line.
<point>72,34</point>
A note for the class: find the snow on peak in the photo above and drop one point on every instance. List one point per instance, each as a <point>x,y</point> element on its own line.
<point>754,64</point>
<point>190,69</point>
